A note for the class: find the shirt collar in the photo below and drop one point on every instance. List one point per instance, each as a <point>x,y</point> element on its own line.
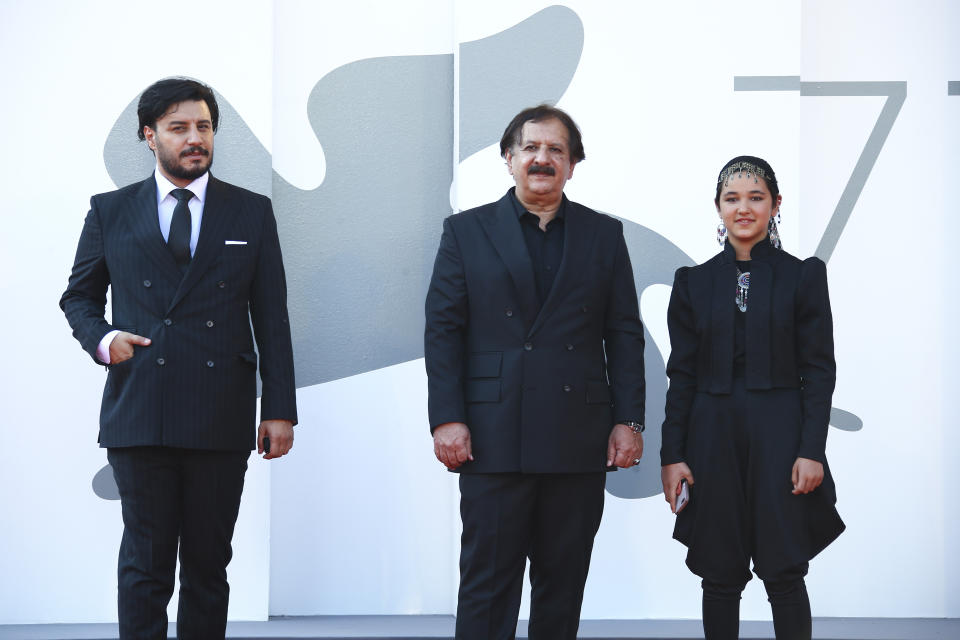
<point>520,209</point>
<point>164,186</point>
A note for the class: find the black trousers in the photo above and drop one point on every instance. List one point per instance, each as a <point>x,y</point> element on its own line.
<point>510,517</point>
<point>176,499</point>
<point>786,592</point>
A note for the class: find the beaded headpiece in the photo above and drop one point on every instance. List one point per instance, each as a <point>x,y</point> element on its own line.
<point>739,168</point>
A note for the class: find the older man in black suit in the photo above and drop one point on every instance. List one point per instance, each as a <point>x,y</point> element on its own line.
<point>192,263</point>
<point>534,357</point>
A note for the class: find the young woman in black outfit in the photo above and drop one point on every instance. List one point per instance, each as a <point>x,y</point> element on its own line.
<point>751,378</point>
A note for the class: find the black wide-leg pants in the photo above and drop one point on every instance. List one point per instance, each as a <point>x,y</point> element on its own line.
<point>176,499</point>
<point>509,517</point>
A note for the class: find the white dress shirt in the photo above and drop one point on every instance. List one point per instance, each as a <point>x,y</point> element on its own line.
<point>166,203</point>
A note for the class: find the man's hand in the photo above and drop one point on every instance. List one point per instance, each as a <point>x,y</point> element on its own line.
<point>121,347</point>
<point>280,433</point>
<point>671,475</point>
<point>806,476</point>
<point>451,444</point>
<point>624,446</point>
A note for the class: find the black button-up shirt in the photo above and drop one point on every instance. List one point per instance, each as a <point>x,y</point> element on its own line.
<point>545,247</point>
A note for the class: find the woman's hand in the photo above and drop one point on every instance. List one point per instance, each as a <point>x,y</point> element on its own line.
<point>671,475</point>
<point>807,475</point>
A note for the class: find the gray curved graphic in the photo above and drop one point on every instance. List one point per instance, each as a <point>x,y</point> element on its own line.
<point>654,260</point>
<point>359,247</point>
<point>104,485</point>
<point>844,420</point>
<point>509,69</point>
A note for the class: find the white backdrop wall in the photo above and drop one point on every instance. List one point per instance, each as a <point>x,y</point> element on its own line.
<point>361,519</point>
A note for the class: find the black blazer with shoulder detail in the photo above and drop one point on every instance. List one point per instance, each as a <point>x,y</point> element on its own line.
<point>539,391</point>
<point>195,385</point>
<point>789,339</point>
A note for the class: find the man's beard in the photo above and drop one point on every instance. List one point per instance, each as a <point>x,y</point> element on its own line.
<point>171,163</point>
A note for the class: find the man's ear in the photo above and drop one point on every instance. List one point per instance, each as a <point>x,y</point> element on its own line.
<point>150,136</point>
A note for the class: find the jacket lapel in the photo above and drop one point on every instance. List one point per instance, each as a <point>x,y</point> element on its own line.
<point>721,321</point>
<point>144,220</point>
<point>213,229</point>
<point>578,236</point>
<point>503,229</point>
<point>758,315</point>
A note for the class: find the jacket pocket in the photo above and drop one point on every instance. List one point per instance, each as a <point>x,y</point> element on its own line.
<point>117,367</point>
<point>483,391</point>
<point>598,392</point>
<point>485,364</point>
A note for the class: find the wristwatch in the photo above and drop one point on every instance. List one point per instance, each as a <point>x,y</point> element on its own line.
<point>633,424</point>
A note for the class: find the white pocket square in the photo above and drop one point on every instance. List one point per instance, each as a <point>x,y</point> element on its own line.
<point>234,242</point>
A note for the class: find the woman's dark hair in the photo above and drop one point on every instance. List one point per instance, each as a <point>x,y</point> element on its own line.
<point>158,97</point>
<point>511,135</point>
<point>743,163</point>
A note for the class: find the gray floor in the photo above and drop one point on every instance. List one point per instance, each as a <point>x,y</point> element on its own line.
<point>425,627</point>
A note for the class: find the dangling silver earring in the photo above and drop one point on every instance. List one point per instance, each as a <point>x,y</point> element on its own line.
<point>721,234</point>
<point>773,233</point>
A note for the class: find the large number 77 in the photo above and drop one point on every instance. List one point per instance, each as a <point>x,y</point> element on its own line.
<point>896,93</point>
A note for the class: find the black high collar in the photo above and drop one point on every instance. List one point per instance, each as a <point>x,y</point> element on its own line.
<point>763,250</point>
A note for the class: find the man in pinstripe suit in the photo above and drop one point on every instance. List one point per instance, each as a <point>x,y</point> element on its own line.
<point>192,263</point>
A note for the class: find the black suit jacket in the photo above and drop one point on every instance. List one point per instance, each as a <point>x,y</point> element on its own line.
<point>539,391</point>
<point>195,385</point>
<point>789,340</point>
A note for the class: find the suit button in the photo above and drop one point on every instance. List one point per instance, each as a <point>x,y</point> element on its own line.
<point>221,284</point>
<point>210,363</point>
<point>209,323</point>
<point>147,284</point>
<point>585,308</point>
<point>569,347</point>
<point>161,361</point>
<point>528,346</point>
<point>567,388</point>
<point>509,313</point>
<point>167,321</point>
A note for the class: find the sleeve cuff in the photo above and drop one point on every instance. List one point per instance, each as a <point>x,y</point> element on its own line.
<point>103,349</point>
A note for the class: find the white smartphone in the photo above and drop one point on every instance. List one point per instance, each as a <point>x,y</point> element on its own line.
<point>684,495</point>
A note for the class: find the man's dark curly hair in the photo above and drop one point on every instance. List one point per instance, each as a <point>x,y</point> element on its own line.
<point>158,97</point>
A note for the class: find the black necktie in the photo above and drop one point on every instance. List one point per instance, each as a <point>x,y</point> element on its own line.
<point>179,238</point>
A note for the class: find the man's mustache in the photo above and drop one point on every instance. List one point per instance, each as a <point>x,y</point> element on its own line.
<point>200,150</point>
<point>541,168</point>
